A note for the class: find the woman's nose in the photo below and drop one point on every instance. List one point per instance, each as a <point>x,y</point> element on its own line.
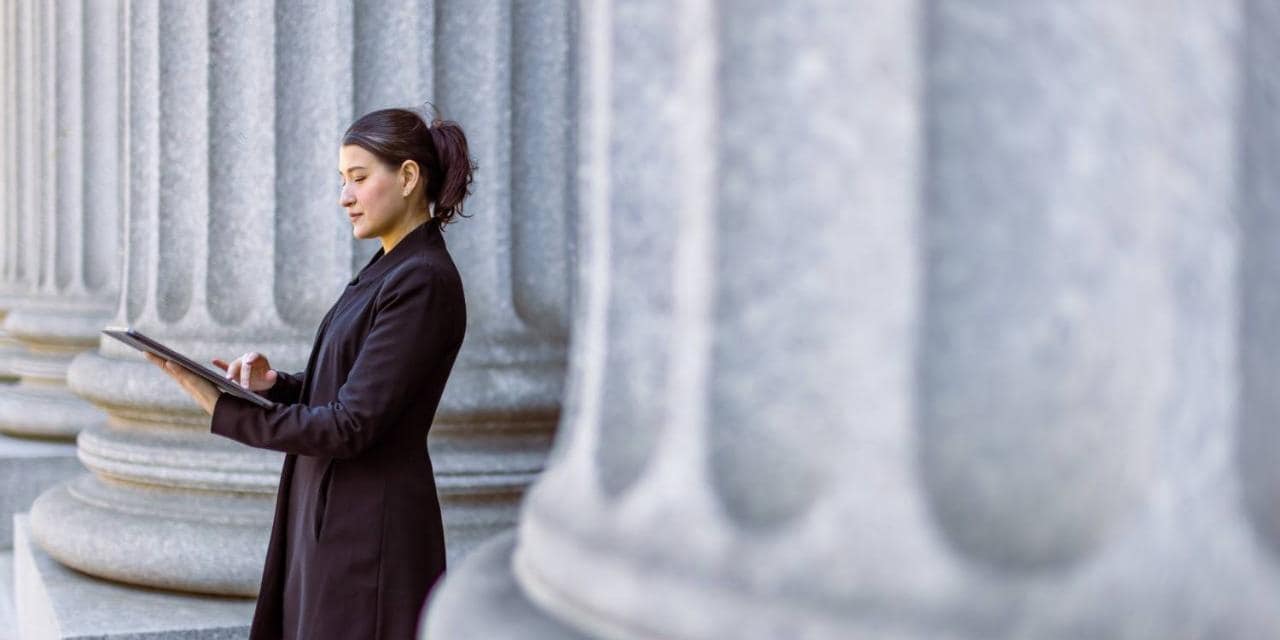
<point>344,197</point>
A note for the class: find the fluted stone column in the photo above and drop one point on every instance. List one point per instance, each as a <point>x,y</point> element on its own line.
<point>235,243</point>
<point>50,292</point>
<point>961,334</point>
<point>12,74</point>
<point>72,157</point>
<point>503,72</point>
<point>231,247</point>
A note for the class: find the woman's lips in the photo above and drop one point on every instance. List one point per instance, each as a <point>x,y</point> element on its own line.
<point>353,216</point>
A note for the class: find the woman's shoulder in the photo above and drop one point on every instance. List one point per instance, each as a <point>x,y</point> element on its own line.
<point>431,269</point>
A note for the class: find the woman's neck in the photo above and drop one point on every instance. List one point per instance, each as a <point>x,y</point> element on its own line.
<point>393,238</point>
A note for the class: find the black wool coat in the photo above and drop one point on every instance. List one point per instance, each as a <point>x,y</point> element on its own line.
<point>358,539</point>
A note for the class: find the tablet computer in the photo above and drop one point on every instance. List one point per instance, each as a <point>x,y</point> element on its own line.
<point>143,343</point>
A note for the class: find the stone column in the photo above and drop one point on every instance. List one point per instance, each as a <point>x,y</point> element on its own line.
<point>1257,445</point>
<point>57,235</point>
<point>12,76</point>
<point>946,343</point>
<point>503,72</point>
<point>235,243</point>
<point>72,156</point>
<point>222,257</point>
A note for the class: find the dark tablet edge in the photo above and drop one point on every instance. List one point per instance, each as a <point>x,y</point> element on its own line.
<point>145,343</point>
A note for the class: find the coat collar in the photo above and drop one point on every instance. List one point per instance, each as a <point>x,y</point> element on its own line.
<point>425,233</point>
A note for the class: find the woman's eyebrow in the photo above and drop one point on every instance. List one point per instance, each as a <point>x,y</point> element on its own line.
<point>350,169</point>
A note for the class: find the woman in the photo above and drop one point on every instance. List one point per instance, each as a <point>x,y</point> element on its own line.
<point>357,540</point>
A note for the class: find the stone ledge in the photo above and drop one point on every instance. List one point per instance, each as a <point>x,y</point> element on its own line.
<point>54,602</point>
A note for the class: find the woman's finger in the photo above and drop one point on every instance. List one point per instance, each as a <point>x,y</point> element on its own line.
<point>220,363</point>
<point>172,370</point>
<point>233,370</point>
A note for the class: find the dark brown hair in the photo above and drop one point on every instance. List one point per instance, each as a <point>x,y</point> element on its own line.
<point>439,147</point>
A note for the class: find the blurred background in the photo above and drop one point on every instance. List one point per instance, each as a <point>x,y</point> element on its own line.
<point>820,319</point>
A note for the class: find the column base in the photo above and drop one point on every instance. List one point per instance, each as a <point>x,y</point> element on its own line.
<point>471,519</point>
<point>27,468</point>
<point>480,600</point>
<point>57,603</point>
<point>197,542</point>
<point>9,349</point>
<point>46,412</point>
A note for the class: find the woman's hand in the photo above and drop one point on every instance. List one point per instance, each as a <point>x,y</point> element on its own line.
<point>205,394</point>
<point>251,369</point>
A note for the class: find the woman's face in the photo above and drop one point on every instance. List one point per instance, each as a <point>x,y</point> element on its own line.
<point>372,194</point>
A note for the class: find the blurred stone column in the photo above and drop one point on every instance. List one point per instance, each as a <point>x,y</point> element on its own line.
<point>1099,485</point>
<point>1257,446</point>
<point>235,243</point>
<point>741,208</point>
<point>58,231</point>
<point>13,76</point>
<point>944,345</point>
<point>71,252</point>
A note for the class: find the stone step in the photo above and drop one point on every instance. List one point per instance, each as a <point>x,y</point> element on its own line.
<point>54,602</point>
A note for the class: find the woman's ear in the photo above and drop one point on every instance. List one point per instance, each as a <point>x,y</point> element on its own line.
<point>409,176</point>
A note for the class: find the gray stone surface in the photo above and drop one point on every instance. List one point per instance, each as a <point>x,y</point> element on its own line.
<point>8,349</point>
<point>498,413</point>
<point>204,242</point>
<point>8,152</point>
<point>26,119</point>
<point>27,468</point>
<point>69,257</point>
<point>57,603</point>
<point>8,613</point>
<point>50,332</point>
<point>153,536</point>
<point>965,330</point>
<point>1258,446</point>
<point>485,583</point>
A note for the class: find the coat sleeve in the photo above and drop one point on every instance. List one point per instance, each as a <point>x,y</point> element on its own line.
<point>411,334</point>
<point>287,389</point>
